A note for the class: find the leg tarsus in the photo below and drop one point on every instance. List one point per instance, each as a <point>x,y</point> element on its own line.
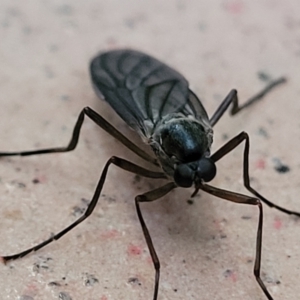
<point>233,98</point>
<point>148,197</point>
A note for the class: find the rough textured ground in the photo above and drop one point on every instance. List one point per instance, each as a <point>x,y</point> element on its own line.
<point>206,248</point>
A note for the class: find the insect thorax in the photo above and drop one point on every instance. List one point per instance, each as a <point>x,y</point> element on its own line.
<point>180,139</point>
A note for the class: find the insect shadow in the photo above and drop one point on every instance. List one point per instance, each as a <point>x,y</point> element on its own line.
<point>156,102</point>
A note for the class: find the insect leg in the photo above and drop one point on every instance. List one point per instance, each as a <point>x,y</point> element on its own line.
<point>229,146</point>
<point>147,197</point>
<point>121,163</point>
<point>233,98</point>
<point>75,137</point>
<point>243,199</point>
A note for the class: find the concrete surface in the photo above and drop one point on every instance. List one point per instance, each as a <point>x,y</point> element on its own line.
<point>206,248</point>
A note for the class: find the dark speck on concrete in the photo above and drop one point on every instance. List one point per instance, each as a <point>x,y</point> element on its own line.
<point>42,264</point>
<point>228,273</point>
<point>54,283</point>
<point>65,97</point>
<point>19,184</point>
<point>137,179</point>
<point>246,217</point>
<point>108,198</point>
<point>280,167</point>
<point>78,210</point>
<point>190,201</point>
<point>90,279</point>
<point>64,296</point>
<point>263,132</point>
<point>134,281</point>
<point>263,76</point>
<point>35,181</point>
<point>225,136</point>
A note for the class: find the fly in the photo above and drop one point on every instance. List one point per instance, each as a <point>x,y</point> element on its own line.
<point>155,101</point>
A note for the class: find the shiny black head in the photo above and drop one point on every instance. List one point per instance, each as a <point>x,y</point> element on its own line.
<point>186,174</point>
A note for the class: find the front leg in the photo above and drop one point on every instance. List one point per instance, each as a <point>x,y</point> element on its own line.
<point>148,197</point>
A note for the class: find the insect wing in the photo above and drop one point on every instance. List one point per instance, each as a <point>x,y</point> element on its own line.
<point>142,90</point>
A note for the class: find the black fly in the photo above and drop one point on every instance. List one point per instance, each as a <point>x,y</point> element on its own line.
<point>155,100</point>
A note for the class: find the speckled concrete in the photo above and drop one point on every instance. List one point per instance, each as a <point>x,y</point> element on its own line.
<point>206,248</point>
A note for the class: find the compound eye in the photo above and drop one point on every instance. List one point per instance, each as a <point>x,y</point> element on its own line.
<point>206,169</point>
<point>184,176</point>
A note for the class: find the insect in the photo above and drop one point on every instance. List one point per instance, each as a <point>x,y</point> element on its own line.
<point>155,101</point>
